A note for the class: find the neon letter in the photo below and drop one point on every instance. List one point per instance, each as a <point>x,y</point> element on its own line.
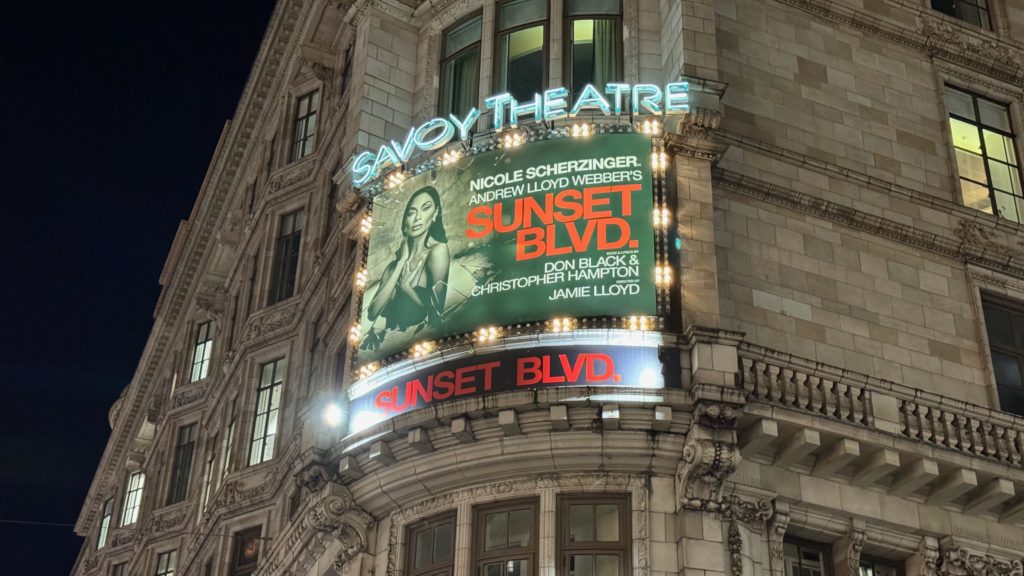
<point>677,97</point>
<point>444,135</point>
<point>466,125</point>
<point>590,98</point>
<point>516,110</point>
<point>617,91</point>
<point>362,168</point>
<point>651,102</point>
<point>555,104</point>
<point>497,104</point>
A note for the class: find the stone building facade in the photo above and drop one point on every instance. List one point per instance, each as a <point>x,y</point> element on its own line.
<point>844,191</point>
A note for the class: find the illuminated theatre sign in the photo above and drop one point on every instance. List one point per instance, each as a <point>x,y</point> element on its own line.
<point>553,229</point>
<point>523,369</point>
<point>507,112</point>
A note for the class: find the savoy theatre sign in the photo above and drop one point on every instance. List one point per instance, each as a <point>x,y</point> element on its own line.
<point>506,113</point>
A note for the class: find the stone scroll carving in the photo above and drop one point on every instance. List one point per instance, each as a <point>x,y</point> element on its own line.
<point>776,533</point>
<point>710,455</point>
<point>958,561</point>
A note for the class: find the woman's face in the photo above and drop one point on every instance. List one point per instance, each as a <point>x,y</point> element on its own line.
<point>419,215</point>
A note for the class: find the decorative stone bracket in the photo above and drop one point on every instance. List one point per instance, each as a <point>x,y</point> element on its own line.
<point>709,456</point>
<point>959,561</point>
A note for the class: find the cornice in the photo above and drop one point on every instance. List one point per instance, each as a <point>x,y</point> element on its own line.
<point>277,47</point>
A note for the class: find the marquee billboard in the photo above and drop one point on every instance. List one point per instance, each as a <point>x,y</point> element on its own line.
<point>550,229</point>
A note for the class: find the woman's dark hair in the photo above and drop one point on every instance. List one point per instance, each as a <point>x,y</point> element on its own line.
<point>436,230</point>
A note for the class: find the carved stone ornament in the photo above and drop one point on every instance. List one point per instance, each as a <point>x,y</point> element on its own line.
<point>698,123</point>
<point>925,561</point>
<point>776,533</point>
<point>705,464</point>
<point>752,514</point>
<point>92,563</point>
<point>270,322</point>
<point>212,299</point>
<point>973,235</point>
<point>734,543</point>
<point>717,415</point>
<point>337,514</point>
<point>315,475</point>
<point>853,544</point>
<point>300,173</point>
<point>957,561</point>
<point>188,395</point>
<point>169,521</point>
<point>943,36</point>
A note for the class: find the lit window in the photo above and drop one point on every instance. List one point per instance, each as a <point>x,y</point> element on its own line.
<point>986,156</point>
<point>594,43</point>
<point>594,535</point>
<point>286,256</point>
<point>1004,323</point>
<point>182,467</point>
<point>201,354</point>
<point>522,47</point>
<point>460,67</point>
<point>108,511</point>
<point>972,11</point>
<point>246,552</point>
<point>165,563</point>
<point>304,140</point>
<point>507,543</point>
<point>804,559</point>
<point>432,547</point>
<point>133,498</point>
<point>268,405</point>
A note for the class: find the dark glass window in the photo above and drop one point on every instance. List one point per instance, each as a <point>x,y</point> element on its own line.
<point>304,139</point>
<point>986,156</point>
<point>166,563</point>
<point>202,351</point>
<point>460,67</point>
<point>972,11</point>
<point>522,47</point>
<point>229,441</point>
<point>593,535</point>
<point>246,552</point>
<point>208,568</point>
<point>506,540</point>
<point>268,407</point>
<point>593,43</point>
<point>805,558</point>
<point>108,511</point>
<point>432,547</point>
<point>133,498</point>
<point>286,256</point>
<point>119,569</point>
<point>182,467</point>
<point>1004,322</point>
<point>874,567</point>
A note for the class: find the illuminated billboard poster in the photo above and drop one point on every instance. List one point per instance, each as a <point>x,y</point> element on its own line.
<point>550,229</point>
<point>619,366</point>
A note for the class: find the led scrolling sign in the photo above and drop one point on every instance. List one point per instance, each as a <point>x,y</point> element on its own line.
<point>506,113</point>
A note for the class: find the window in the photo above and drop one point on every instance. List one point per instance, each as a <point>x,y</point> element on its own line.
<point>594,535</point>
<point>986,156</point>
<point>182,466</point>
<point>804,559</point>
<point>972,11</point>
<point>201,354</point>
<point>304,140</point>
<point>1004,323</point>
<point>229,435</point>
<point>432,547</point>
<point>165,563</point>
<point>108,511</point>
<point>207,487</point>
<point>286,256</point>
<point>522,47</point>
<point>208,568</point>
<point>246,552</point>
<point>871,567</point>
<point>507,543</point>
<point>594,43</point>
<point>133,498</point>
<point>460,67</point>
<point>268,404</point>
<point>119,569</point>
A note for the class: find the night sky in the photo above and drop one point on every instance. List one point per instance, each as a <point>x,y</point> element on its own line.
<point>109,114</point>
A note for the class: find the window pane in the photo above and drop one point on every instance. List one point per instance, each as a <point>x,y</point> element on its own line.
<point>495,531</point>
<point>881,570</point>
<point>443,541</point>
<point>976,196</point>
<point>520,523</point>
<point>606,565</point>
<point>607,522</point>
<point>460,83</point>
<point>587,7</point>
<point>968,13</point>
<point>461,36</point>
<point>959,103</point>
<point>865,570</point>
<point>581,565</point>
<point>971,166</point>
<point>999,147</point>
<point>522,62</point>
<point>517,568</point>
<point>1006,206</point>
<point>519,12</point>
<point>581,523</point>
<point>424,548</point>
<point>999,326</point>
<point>965,135</point>
<point>1011,399</point>
<point>993,114</point>
<point>1007,369</point>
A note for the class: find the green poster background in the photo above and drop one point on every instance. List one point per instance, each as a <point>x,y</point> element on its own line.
<point>479,281</point>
